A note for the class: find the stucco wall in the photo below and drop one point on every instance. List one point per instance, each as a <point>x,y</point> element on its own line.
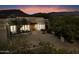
<point>3,34</point>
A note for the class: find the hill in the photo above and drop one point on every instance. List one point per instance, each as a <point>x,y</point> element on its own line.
<point>11,13</point>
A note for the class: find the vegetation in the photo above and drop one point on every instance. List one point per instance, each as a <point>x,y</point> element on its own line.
<point>66,26</point>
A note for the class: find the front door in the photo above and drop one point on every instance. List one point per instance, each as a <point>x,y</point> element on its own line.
<point>32,27</point>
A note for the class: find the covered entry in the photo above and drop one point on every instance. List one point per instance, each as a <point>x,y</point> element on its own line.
<point>32,26</point>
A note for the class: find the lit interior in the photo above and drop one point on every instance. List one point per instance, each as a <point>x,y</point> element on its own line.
<point>27,27</point>
<point>13,29</point>
<point>40,26</point>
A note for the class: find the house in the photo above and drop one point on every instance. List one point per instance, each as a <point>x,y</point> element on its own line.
<point>31,24</point>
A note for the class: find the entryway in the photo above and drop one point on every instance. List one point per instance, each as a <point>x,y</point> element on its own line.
<point>32,27</point>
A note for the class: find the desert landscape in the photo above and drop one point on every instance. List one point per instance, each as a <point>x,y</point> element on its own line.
<point>39,33</point>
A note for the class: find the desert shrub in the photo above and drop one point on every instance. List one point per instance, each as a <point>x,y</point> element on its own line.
<point>61,51</point>
<point>46,47</point>
<point>66,26</point>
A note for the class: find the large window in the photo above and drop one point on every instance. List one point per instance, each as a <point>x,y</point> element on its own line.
<point>13,28</point>
<point>40,26</point>
<point>25,28</point>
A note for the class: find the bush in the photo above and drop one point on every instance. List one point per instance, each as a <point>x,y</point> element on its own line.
<point>46,47</point>
<point>66,26</point>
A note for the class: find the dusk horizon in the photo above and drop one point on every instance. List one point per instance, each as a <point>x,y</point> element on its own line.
<point>32,9</point>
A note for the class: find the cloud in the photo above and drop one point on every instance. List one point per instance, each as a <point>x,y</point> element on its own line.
<point>31,10</point>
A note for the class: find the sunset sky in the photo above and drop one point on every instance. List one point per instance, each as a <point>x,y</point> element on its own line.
<point>30,9</point>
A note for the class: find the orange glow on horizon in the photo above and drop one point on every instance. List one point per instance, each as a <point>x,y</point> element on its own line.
<point>31,10</point>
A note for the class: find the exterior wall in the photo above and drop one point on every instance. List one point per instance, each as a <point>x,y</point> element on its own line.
<point>36,19</point>
<point>31,19</point>
<point>3,34</point>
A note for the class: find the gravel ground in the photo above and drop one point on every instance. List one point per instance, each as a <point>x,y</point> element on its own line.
<point>33,39</point>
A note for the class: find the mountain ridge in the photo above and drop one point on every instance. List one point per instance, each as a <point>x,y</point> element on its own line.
<point>18,13</point>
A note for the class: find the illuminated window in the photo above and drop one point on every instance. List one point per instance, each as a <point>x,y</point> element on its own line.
<point>25,28</point>
<point>40,26</point>
<point>13,29</point>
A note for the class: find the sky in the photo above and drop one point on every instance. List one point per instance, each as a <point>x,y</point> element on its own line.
<point>30,9</point>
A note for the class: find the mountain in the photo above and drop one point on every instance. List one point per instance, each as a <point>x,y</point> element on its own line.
<point>64,13</point>
<point>11,13</point>
<point>47,15</point>
<point>16,12</point>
